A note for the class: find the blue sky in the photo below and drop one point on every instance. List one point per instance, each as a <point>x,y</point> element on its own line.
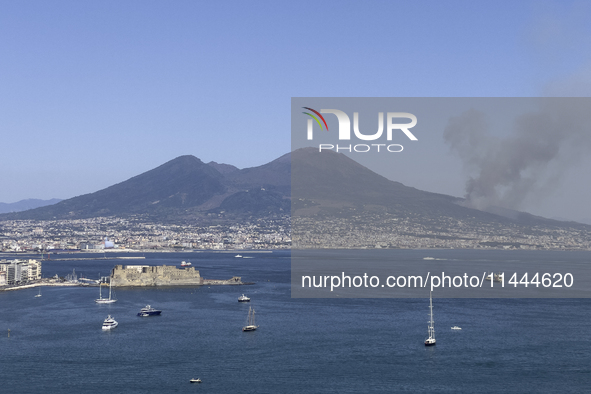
<point>93,93</point>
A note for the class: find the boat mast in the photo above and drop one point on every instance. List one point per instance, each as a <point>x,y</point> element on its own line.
<point>110,293</point>
<point>431,329</point>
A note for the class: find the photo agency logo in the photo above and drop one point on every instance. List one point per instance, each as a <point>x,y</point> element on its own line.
<point>393,126</point>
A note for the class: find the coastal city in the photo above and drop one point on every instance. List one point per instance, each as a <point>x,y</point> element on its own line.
<point>379,231</point>
<point>103,234</point>
<point>135,233</point>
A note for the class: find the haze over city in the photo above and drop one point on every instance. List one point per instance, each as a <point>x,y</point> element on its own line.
<point>95,93</point>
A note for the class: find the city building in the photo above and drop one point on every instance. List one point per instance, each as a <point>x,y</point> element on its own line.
<point>17,272</point>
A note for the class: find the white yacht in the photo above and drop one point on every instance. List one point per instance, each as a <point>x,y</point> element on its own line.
<point>243,298</point>
<point>109,323</point>
<point>430,329</point>
<point>456,328</point>
<point>238,255</point>
<point>38,295</point>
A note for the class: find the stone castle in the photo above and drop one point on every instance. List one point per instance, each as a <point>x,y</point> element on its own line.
<point>146,275</point>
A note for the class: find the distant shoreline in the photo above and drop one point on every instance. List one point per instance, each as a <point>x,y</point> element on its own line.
<point>140,251</point>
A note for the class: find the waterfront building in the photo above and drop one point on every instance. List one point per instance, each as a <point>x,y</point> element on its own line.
<point>34,269</point>
<point>20,271</point>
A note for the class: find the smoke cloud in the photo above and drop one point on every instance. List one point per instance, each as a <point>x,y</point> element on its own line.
<point>529,161</point>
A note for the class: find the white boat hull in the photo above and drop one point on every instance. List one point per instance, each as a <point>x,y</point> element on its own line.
<point>105,301</point>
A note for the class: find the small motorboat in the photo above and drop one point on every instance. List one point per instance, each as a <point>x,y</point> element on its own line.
<point>238,255</point>
<point>495,277</point>
<point>456,328</point>
<point>186,264</point>
<point>195,380</point>
<point>243,298</point>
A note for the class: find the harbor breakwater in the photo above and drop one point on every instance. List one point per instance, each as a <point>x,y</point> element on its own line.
<point>45,284</point>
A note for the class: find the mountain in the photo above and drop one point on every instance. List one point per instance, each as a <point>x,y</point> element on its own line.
<point>183,188</point>
<point>323,184</point>
<point>24,205</point>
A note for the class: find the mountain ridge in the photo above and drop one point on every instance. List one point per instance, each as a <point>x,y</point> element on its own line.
<point>26,204</point>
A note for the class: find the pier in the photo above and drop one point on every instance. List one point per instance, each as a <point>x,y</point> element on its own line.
<point>98,258</point>
<point>56,284</point>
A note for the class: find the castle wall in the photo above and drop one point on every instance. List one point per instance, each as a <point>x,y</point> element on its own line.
<point>154,276</point>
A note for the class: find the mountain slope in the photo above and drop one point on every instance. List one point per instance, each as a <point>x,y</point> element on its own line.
<point>180,183</point>
<point>275,175</point>
<point>332,183</point>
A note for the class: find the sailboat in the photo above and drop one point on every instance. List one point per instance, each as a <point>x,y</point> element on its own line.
<point>250,326</point>
<point>431,340</point>
<point>38,295</point>
<point>102,300</point>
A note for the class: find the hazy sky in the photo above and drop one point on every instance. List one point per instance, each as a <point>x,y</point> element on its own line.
<point>93,93</point>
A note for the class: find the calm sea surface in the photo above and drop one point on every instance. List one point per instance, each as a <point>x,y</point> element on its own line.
<point>302,346</point>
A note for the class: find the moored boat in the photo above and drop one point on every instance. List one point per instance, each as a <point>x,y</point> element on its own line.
<point>243,298</point>
<point>430,329</point>
<point>250,324</point>
<point>149,311</point>
<point>102,300</point>
<point>495,277</point>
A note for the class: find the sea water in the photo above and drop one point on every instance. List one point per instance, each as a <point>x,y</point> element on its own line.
<point>56,344</point>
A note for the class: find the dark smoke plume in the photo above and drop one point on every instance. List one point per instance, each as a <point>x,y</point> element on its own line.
<point>528,162</point>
